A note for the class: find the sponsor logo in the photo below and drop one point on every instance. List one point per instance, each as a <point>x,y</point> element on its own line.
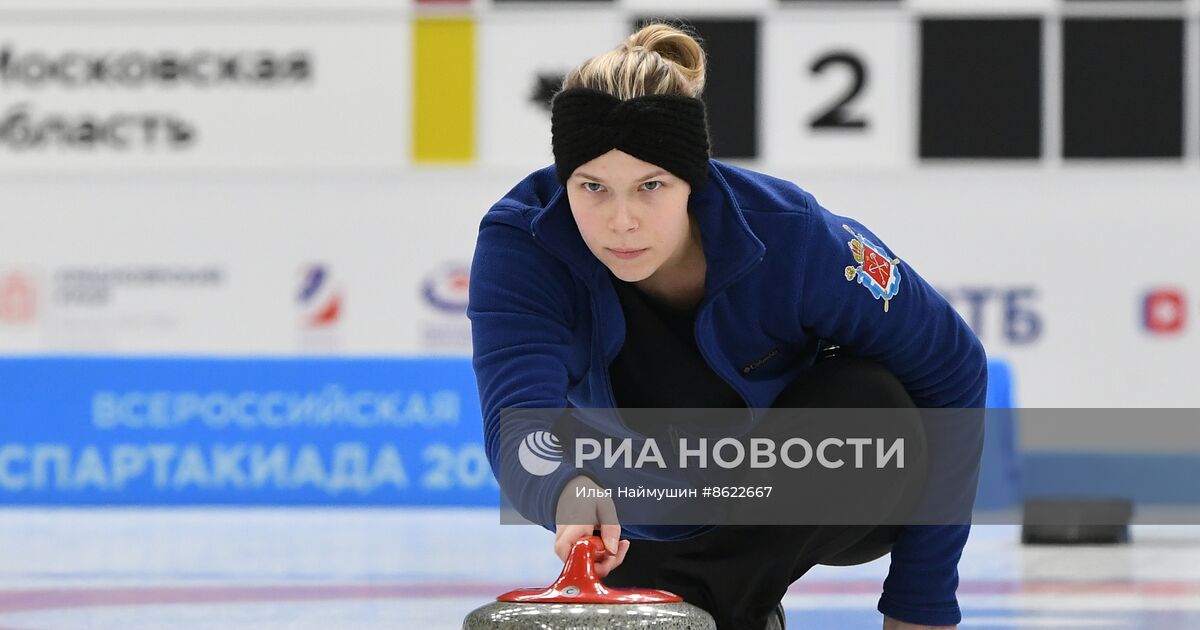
<point>445,291</point>
<point>876,270</point>
<point>1010,314</point>
<point>540,453</point>
<point>319,300</point>
<point>106,307</point>
<point>18,298</point>
<point>99,286</point>
<point>1164,311</point>
<point>445,288</point>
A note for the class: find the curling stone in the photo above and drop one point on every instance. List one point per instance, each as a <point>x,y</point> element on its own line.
<point>578,601</point>
<point>1070,521</point>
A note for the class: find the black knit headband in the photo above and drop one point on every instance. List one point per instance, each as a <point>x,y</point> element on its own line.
<point>668,131</point>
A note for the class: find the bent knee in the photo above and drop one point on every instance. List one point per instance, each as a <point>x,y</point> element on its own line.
<point>846,381</point>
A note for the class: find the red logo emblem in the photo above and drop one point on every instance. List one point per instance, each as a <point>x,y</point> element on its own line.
<point>1164,311</point>
<point>876,270</point>
<point>18,299</point>
<point>876,266</point>
<point>320,300</point>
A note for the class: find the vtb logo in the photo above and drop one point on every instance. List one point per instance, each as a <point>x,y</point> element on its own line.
<point>1164,311</point>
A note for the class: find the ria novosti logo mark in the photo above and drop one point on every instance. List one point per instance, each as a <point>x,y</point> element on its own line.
<point>540,453</point>
<point>320,300</point>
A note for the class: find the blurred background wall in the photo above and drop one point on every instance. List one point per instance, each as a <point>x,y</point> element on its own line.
<point>188,189</point>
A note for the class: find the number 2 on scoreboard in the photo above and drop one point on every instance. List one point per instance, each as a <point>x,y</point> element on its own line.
<point>838,115</point>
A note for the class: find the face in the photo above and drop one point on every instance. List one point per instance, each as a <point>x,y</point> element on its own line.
<point>632,214</point>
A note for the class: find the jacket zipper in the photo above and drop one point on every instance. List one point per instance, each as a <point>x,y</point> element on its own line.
<point>704,310</point>
<point>704,353</point>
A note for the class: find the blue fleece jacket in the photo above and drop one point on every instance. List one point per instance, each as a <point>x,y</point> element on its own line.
<point>782,272</point>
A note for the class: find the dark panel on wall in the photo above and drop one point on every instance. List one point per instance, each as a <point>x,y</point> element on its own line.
<point>981,88</point>
<point>1122,88</point>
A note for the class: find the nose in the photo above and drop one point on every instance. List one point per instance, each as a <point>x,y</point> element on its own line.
<point>622,219</point>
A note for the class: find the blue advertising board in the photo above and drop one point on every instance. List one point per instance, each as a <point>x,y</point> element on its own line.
<point>287,431</point>
<point>136,431</point>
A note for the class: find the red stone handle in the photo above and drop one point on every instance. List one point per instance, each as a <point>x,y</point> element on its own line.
<point>578,583</point>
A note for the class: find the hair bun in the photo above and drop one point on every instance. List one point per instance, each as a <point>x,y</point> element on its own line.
<point>658,59</point>
<point>675,45</point>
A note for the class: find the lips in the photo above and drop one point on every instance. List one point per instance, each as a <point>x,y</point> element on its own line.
<point>627,253</point>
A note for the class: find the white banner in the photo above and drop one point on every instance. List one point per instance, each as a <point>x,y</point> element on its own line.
<point>1076,276</point>
<point>169,94</point>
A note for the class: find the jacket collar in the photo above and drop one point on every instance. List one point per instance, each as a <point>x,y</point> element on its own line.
<point>730,246</point>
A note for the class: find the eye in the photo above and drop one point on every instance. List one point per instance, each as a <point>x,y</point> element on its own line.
<point>651,186</point>
<point>592,187</point>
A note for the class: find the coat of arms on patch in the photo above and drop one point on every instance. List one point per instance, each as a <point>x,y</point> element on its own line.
<point>876,269</point>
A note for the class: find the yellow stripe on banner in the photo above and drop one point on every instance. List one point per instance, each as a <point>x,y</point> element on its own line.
<point>444,77</point>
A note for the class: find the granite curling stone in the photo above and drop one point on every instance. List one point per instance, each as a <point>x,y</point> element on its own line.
<point>579,601</point>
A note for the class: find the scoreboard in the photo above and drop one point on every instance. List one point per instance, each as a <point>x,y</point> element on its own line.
<point>886,84</point>
<point>829,84</point>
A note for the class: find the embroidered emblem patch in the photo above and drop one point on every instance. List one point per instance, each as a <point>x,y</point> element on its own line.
<point>876,270</point>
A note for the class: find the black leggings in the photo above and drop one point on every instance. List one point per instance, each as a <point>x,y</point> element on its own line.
<point>739,573</point>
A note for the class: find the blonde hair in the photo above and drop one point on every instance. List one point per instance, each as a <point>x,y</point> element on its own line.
<point>658,59</point>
